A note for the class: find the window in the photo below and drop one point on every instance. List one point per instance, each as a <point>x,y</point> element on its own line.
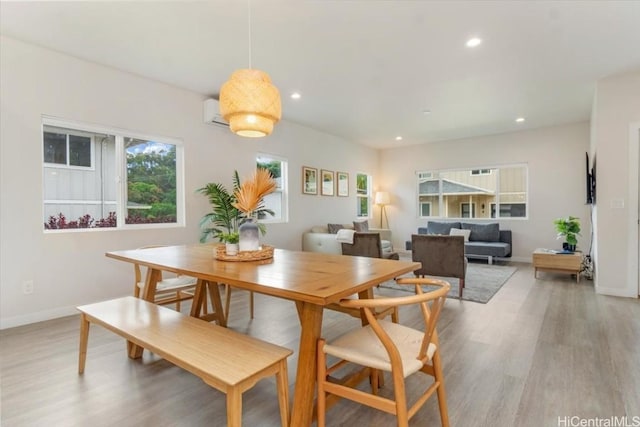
<point>276,201</point>
<point>105,178</point>
<point>509,210</point>
<point>481,172</point>
<point>473,193</point>
<point>363,195</point>
<point>425,209</point>
<point>466,212</point>
<point>67,148</point>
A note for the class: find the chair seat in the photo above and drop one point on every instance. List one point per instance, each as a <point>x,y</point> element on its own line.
<point>363,347</point>
<point>172,284</point>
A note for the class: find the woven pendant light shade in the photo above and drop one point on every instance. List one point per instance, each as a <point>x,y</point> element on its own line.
<point>250,103</point>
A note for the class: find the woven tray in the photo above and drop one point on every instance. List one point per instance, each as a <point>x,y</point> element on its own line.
<point>265,253</point>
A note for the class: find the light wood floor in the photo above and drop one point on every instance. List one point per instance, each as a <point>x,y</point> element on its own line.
<point>539,350</point>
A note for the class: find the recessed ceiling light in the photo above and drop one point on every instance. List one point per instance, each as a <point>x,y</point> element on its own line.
<point>520,119</point>
<point>473,42</point>
<point>398,138</point>
<point>295,95</point>
<point>426,112</point>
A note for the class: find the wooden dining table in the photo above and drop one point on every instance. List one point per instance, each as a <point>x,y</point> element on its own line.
<point>312,280</point>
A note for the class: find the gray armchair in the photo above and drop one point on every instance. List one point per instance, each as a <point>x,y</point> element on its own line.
<point>441,256</point>
<point>367,245</point>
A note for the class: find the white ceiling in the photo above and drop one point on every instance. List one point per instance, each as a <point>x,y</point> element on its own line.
<point>366,69</point>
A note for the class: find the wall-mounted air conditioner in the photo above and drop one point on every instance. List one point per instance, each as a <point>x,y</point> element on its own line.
<point>212,113</point>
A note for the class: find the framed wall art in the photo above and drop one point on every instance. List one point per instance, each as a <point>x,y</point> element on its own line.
<point>309,180</point>
<point>328,186</point>
<point>342,179</point>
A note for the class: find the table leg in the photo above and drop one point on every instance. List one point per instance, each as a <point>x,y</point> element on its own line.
<point>150,283</point>
<point>214,294</point>
<point>200,293</point>
<point>311,322</point>
<point>366,294</point>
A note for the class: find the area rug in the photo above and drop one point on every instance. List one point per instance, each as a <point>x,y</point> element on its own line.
<point>482,282</point>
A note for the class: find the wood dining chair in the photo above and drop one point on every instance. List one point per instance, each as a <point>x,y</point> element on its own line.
<point>227,301</point>
<point>172,290</point>
<point>383,346</point>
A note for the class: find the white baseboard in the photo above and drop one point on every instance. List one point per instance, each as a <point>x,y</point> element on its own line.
<point>41,316</point>
<point>616,292</point>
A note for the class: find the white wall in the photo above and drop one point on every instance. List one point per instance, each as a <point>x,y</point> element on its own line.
<point>69,269</point>
<point>556,161</point>
<point>616,110</point>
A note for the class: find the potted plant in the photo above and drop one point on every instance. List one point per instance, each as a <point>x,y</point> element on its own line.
<point>225,218</point>
<point>568,229</point>
<point>231,242</point>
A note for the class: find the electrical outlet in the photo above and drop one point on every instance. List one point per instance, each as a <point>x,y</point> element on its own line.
<point>27,287</point>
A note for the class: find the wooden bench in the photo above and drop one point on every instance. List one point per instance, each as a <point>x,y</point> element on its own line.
<point>224,359</point>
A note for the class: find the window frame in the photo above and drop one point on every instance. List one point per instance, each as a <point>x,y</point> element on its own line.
<point>120,173</point>
<point>366,196</point>
<point>284,181</point>
<point>434,174</point>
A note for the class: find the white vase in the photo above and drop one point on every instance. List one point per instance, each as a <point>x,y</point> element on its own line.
<point>231,248</point>
<point>249,236</point>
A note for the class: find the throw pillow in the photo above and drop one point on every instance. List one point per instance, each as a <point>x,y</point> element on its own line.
<point>333,228</point>
<point>361,226</point>
<point>483,232</point>
<point>460,232</point>
<point>441,228</point>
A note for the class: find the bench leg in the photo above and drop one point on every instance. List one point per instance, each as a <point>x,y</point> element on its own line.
<point>282,382</point>
<point>234,407</point>
<point>84,341</point>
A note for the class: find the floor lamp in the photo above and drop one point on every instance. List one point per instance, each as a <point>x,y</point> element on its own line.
<point>382,199</point>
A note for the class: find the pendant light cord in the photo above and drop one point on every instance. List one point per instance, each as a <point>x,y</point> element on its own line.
<point>249,8</point>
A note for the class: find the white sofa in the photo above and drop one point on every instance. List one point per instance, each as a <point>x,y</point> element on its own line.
<point>318,239</point>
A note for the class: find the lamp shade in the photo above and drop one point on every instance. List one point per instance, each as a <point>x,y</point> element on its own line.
<point>382,198</point>
<point>250,103</point>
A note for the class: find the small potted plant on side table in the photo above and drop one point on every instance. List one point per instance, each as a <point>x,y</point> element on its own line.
<point>568,229</point>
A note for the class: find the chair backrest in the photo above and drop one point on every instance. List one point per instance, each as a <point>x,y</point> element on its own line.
<point>440,255</point>
<point>430,315</point>
<point>364,244</point>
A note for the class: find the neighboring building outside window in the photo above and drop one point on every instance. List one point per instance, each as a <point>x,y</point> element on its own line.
<point>425,209</point>
<point>68,148</point>
<point>95,177</point>
<point>473,193</point>
<point>481,172</point>
<point>278,200</point>
<point>363,195</point>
